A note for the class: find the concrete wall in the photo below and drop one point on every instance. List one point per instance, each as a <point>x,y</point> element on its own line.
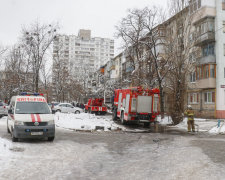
<point>220,59</point>
<point>211,3</point>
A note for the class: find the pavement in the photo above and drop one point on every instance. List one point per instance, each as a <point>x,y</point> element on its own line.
<point>174,155</point>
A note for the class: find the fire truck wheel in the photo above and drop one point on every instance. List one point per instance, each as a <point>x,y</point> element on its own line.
<point>114,115</point>
<point>122,119</point>
<point>146,124</point>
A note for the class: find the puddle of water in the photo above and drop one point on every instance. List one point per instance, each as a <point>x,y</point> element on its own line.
<point>157,128</point>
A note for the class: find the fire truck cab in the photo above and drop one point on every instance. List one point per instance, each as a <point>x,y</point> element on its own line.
<point>136,104</point>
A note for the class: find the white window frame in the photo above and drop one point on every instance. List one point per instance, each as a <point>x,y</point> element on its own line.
<point>194,99</point>
<point>207,101</point>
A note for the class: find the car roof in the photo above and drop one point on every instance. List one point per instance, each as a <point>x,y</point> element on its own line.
<point>65,103</point>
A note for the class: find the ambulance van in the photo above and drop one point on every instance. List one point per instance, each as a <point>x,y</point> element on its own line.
<point>29,116</point>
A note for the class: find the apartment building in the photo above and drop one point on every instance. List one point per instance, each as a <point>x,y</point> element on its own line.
<point>205,40</point>
<point>81,55</point>
<point>83,50</point>
<point>206,89</point>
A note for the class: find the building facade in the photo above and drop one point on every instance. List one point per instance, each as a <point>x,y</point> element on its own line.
<point>80,55</point>
<point>206,89</point>
<point>199,29</point>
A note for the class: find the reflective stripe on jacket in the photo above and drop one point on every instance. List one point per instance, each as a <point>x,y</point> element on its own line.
<point>190,114</point>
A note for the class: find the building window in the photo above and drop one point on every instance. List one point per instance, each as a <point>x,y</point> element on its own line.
<point>206,71</point>
<point>223,26</point>
<point>224,49</point>
<point>193,77</point>
<point>194,5</point>
<point>209,49</point>
<point>193,98</point>
<point>223,4</point>
<point>212,71</point>
<point>209,97</point>
<point>224,72</point>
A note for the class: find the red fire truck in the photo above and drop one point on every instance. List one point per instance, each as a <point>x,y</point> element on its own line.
<point>136,104</point>
<point>95,105</point>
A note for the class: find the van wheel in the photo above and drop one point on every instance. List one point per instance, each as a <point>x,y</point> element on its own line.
<point>14,139</point>
<point>122,119</point>
<point>51,138</point>
<point>8,131</point>
<point>58,110</point>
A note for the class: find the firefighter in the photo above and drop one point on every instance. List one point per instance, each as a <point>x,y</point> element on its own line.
<point>190,114</point>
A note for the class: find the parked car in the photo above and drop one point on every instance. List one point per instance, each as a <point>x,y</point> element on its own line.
<point>3,109</point>
<point>66,108</point>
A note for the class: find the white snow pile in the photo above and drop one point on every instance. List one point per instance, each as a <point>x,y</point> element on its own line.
<point>86,122</point>
<point>5,146</point>
<point>219,128</point>
<point>164,121</point>
<point>203,125</point>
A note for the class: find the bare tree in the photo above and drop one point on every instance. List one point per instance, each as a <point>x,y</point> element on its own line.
<point>2,52</point>
<point>36,40</point>
<point>131,30</point>
<point>178,48</point>
<point>175,6</point>
<point>144,37</point>
<point>60,74</point>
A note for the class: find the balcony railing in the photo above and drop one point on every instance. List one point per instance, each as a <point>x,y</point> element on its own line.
<point>206,60</point>
<point>205,38</point>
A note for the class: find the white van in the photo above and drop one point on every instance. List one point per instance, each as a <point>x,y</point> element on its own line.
<point>29,116</point>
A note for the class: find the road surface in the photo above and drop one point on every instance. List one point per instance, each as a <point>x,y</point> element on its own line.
<point>73,155</point>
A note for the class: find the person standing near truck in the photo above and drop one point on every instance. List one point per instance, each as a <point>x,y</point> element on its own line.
<point>190,122</point>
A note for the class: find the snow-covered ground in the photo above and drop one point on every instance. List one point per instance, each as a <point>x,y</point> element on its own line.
<point>89,122</point>
<point>86,122</point>
<point>201,125</point>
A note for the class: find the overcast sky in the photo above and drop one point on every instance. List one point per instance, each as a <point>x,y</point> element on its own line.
<point>100,16</point>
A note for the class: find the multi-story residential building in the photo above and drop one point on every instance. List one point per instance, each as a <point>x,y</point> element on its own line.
<point>82,55</point>
<point>206,90</point>
<point>205,43</point>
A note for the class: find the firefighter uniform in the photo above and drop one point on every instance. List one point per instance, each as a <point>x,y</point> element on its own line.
<point>190,122</point>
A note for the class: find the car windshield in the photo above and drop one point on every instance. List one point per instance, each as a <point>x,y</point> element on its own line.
<point>32,108</point>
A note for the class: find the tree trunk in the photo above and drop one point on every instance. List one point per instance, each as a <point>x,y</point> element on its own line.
<point>161,99</point>
<point>36,82</point>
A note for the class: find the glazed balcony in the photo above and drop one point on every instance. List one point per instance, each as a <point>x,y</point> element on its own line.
<point>206,83</point>
<point>210,59</point>
<point>205,38</point>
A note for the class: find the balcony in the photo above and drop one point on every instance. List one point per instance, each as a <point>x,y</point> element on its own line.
<point>205,38</point>
<point>203,84</point>
<point>210,59</point>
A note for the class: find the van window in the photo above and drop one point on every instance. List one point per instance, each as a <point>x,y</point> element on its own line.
<point>32,108</point>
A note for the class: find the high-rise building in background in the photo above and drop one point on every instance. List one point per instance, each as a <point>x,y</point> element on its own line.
<point>83,52</point>
<point>80,55</point>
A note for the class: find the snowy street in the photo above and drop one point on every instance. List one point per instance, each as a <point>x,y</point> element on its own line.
<point>114,155</point>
